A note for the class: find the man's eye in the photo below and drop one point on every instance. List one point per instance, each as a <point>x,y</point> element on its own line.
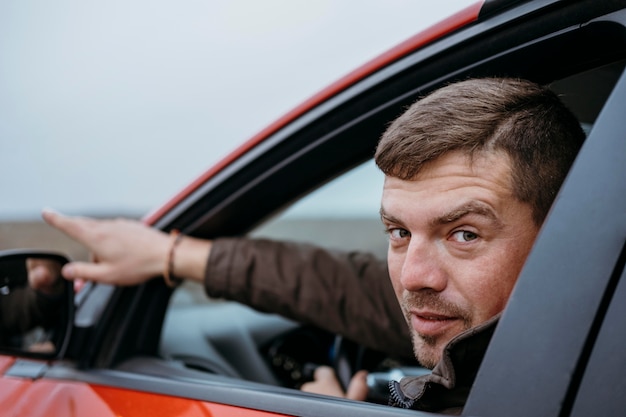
<point>464,236</point>
<point>397,233</point>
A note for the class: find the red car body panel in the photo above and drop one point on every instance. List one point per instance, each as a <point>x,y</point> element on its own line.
<point>5,363</point>
<point>50,398</point>
<point>450,24</point>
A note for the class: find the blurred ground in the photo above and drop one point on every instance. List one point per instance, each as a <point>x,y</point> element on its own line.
<point>353,234</point>
<point>38,235</point>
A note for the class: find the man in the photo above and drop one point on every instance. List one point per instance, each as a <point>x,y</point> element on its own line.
<point>470,173</point>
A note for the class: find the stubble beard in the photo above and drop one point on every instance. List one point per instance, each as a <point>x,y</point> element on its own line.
<point>426,348</point>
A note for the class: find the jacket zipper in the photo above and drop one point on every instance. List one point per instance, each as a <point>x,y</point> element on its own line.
<point>397,397</point>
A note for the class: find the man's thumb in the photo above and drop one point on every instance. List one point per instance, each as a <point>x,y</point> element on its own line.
<point>357,390</point>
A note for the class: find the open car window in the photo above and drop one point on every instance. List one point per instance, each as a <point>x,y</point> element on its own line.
<point>343,214</point>
<point>213,335</point>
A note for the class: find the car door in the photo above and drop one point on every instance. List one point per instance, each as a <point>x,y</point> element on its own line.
<point>559,347</point>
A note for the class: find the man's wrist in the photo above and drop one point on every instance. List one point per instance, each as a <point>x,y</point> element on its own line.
<point>186,258</point>
<point>171,280</point>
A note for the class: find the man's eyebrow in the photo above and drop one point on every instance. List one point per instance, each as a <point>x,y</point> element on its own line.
<point>387,217</point>
<point>473,207</point>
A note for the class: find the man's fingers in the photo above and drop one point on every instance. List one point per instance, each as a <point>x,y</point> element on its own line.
<point>326,374</point>
<point>51,217</point>
<point>71,226</point>
<point>85,270</point>
<point>357,390</point>
<point>324,382</point>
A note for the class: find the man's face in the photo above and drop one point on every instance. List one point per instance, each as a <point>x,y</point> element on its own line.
<point>457,242</point>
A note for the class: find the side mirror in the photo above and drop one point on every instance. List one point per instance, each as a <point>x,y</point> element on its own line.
<point>36,304</point>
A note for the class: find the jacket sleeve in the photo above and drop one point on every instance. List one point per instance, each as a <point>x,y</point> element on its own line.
<point>348,293</point>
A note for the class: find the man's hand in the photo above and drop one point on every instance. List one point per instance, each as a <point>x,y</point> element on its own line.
<point>325,382</point>
<point>125,252</point>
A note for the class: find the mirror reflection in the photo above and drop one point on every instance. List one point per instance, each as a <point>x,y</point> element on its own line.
<point>34,301</point>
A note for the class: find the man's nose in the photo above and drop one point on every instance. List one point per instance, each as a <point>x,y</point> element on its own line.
<point>422,268</point>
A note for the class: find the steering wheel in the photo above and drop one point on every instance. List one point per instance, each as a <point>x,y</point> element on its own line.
<point>347,359</point>
<point>350,357</point>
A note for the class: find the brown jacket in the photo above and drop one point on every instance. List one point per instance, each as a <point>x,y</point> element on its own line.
<point>342,292</point>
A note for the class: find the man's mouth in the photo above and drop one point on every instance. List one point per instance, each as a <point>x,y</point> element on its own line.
<point>431,324</point>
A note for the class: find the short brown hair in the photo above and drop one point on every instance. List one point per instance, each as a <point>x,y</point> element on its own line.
<point>525,120</point>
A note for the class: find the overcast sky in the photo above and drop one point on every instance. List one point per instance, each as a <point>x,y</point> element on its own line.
<point>112,107</point>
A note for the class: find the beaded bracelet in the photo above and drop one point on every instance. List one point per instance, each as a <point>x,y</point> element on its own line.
<point>168,272</point>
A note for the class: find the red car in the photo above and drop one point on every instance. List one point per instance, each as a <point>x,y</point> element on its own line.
<point>559,347</point>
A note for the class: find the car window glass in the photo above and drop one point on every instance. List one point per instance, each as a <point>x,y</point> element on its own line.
<point>585,93</point>
<point>342,214</point>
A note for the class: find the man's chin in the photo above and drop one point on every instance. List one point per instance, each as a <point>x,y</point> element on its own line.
<point>427,351</point>
<point>427,361</point>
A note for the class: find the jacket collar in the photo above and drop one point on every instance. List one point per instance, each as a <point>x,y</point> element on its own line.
<point>447,387</point>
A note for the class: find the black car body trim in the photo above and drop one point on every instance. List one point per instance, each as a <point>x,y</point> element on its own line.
<point>603,380</point>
